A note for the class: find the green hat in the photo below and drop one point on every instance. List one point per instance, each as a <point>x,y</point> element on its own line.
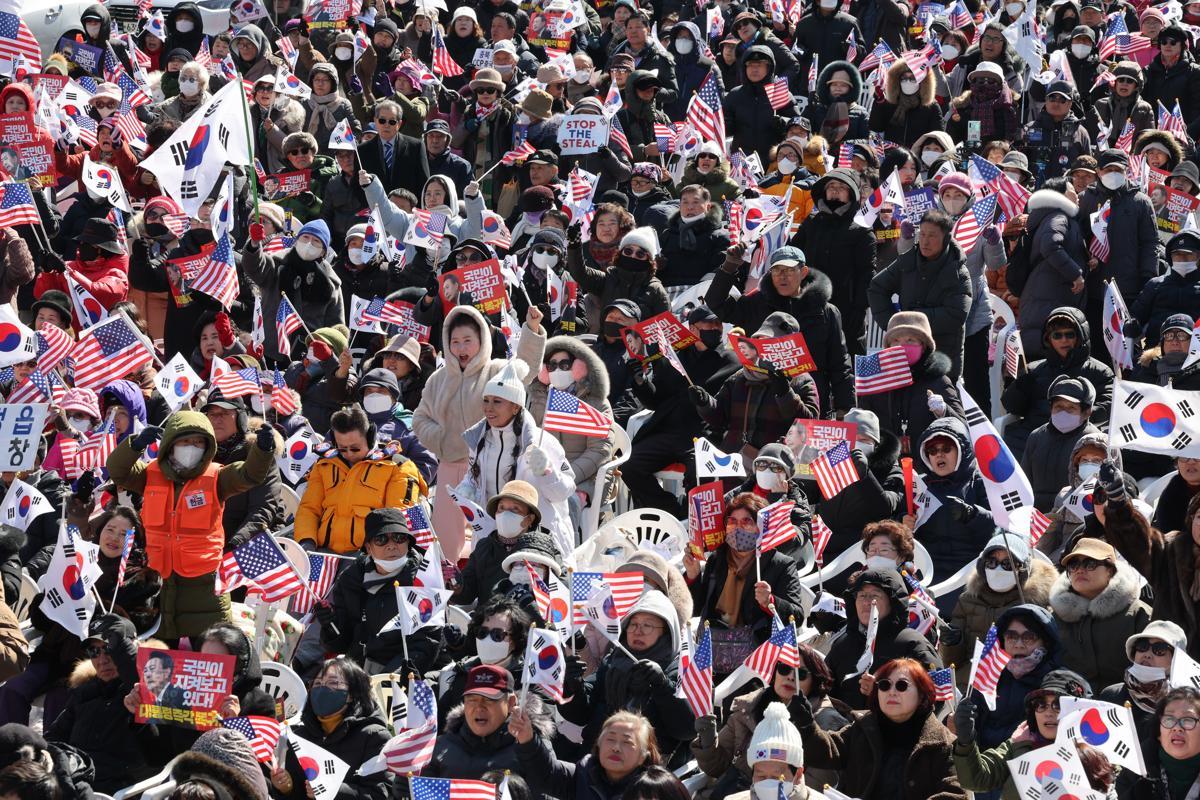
<point>336,336</point>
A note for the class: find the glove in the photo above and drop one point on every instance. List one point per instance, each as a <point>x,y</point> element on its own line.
<point>85,485</point>
<point>700,397</point>
<point>575,234</point>
<point>960,510</point>
<point>1112,481</point>
<point>733,258</point>
<point>1132,328</point>
<point>800,711</point>
<point>778,379</point>
<point>539,464</point>
<point>964,722</point>
<point>937,406</point>
<point>148,436</point>
<point>604,151</point>
<point>906,230</point>
<point>224,329</point>
<point>323,611</point>
<point>991,235</point>
<point>647,673</point>
<point>573,680</point>
<point>706,731</point>
<point>52,262</point>
<point>860,461</point>
<point>265,439</point>
<point>258,233</point>
<point>322,351</point>
<point>453,636</point>
<point>239,539</point>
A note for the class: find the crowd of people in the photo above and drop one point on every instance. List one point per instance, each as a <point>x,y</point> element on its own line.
<point>789,345</point>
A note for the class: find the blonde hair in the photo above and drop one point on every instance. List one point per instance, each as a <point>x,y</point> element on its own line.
<point>645,735</point>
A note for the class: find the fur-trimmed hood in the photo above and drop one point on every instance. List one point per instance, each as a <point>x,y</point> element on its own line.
<point>855,82</point>
<point>816,290</point>
<point>926,91</point>
<point>1155,136</point>
<point>595,386</point>
<point>1036,588</point>
<point>1117,597</point>
<point>1087,440</point>
<point>540,716</point>
<point>1044,203</point>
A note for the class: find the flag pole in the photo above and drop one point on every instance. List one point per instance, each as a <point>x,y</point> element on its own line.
<point>293,305</point>
<point>250,146</point>
<point>953,688</point>
<point>570,583</point>
<point>113,604</point>
<point>402,607</point>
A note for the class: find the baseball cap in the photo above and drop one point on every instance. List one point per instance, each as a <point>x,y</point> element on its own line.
<point>490,681</point>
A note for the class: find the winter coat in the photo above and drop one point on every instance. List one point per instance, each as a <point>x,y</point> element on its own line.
<point>664,391</point>
<point>1093,632</point>
<point>485,570</point>
<point>926,116</point>
<point>1178,83</point>
<point>1057,257</point>
<point>1163,296</point>
<point>833,238</point>
<point>288,117</point>
<point>355,740</point>
<point>461,753</point>
<point>691,254</point>
<point>549,777</point>
<point>1114,114</point>
<point>775,568</point>
<point>858,753</point>
<point>453,398</point>
<point>638,117</point>
<point>950,543</point>
<point>883,19</point>
<point>1052,146</point>
<point>106,279</point>
<point>818,107</point>
<point>260,508</point>
<point>799,548</point>
<point>312,288</point>
<point>748,414</point>
<point>1170,512</point>
<point>1134,246</point>
<point>617,283</point>
<point>14,650</point>
<point>749,118</point>
<point>820,322</point>
<point>18,268</point>
<point>877,495</point>
<point>340,204</point>
<point>264,63</point>
<point>939,287</point>
<point>585,454</point>
<point>824,37</point>
<point>1046,460</point>
<point>986,770</point>
<point>905,412</point>
<point>363,602</point>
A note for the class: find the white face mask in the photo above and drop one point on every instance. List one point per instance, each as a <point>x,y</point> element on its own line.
<point>909,87</point>
<point>829,4</point>
<point>1077,50</point>
<point>929,156</point>
<point>491,652</point>
<point>1014,9</point>
<point>504,70</point>
<point>1183,267</point>
<point>582,76</point>
<point>307,251</point>
<point>519,576</point>
<point>187,455</point>
<point>684,46</point>
<point>189,87</point>
<point>524,119</point>
<point>1144,673</point>
<point>356,255</point>
<point>636,193</point>
<point>560,379</point>
<point>953,207</point>
<point>1065,421</point>
<point>545,260</point>
<point>688,220</point>
<point>879,562</point>
<point>1015,175</point>
<point>92,28</point>
<point>390,565</point>
<point>509,524</point>
<point>1000,580</point>
<point>377,403</point>
<point>769,789</point>
<point>1088,469</point>
<point>185,26</point>
<point>1113,180</point>
<point>786,166</point>
<point>82,425</point>
<point>866,447</point>
<point>347,53</point>
<point>949,52</point>
<point>766,479</point>
<point>256,404</point>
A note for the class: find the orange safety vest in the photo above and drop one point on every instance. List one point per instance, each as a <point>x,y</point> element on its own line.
<point>185,536</point>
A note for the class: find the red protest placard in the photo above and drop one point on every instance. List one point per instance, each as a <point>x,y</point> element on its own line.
<point>808,438</point>
<point>410,326</point>
<point>674,330</point>
<point>706,515</point>
<point>789,353</point>
<point>179,687</point>
<point>18,128</point>
<point>481,283</point>
<point>286,184</point>
<point>183,270</point>
<point>54,83</point>
<point>30,160</point>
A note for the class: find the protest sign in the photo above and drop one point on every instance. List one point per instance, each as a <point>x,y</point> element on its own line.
<point>788,353</point>
<point>480,284</point>
<point>20,426</point>
<point>582,133</point>
<point>544,27</point>
<point>917,203</point>
<point>184,688</point>
<point>285,184</point>
<point>54,83</point>
<point>31,160</point>
<point>483,57</point>
<point>665,324</point>
<point>1171,207</point>
<point>706,516</point>
<point>808,438</point>
<point>84,56</point>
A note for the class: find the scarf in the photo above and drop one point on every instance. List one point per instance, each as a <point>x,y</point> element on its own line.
<point>687,234</point>
<point>986,101</point>
<point>1182,777</point>
<point>227,448</point>
<point>729,604</point>
<point>904,104</point>
<point>1021,666</point>
<point>603,254</point>
<point>837,122</point>
<point>321,110</point>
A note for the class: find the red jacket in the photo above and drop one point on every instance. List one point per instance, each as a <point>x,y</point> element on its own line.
<point>107,279</point>
<point>123,160</point>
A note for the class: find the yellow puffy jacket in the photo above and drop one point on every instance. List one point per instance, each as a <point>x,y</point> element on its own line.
<point>339,496</point>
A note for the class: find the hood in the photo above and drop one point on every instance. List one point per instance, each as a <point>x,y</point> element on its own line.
<point>248,669</point>
<point>185,423</point>
<point>760,51</point>
<point>956,429</point>
<point>1093,439</point>
<point>1119,595</point>
<point>832,67</point>
<point>101,11</point>
<point>1174,151</point>
<point>843,174</point>
<point>236,785</point>
<point>715,177</point>
<point>20,88</point>
<point>485,346</point>
<point>1045,203</point>
<point>890,581</point>
<point>634,103</point>
<point>130,396</point>
<point>451,191</point>
<point>329,70</point>
<point>656,603</point>
<point>595,385</point>
<point>1077,319</point>
<point>1034,616</point>
<point>254,34</point>
<point>926,93</point>
<point>941,137</point>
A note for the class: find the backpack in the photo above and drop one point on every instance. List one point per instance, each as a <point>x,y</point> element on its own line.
<point>1019,267</point>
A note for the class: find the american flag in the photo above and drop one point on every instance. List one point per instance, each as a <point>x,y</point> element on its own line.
<point>1010,194</point>
<point>16,205</point>
<point>704,112</point>
<point>427,224</point>
<point>778,93</point>
<point>991,664</point>
<point>845,159</point>
<point>108,351</point>
<point>960,16</point>
<point>281,397</point>
<point>943,684</point>
<point>279,243</point>
<point>881,372</point>
<point>204,54</point>
<point>418,526</point>
<point>262,732</point>
<point>132,93</point>
<point>775,525</point>
<point>80,125</point>
<point>16,40</point>
<point>411,750</point>
<point>98,445</point>
<point>1119,41</point>
<point>626,589</point>
<point>237,382</point>
<point>1038,525</point>
<point>972,223</point>
<point>541,592</point>
<point>287,322</point>
<point>422,705</point>
<point>1125,140</point>
<point>380,310</point>
<point>1172,121</point>
<point>262,562</point>
<point>451,789</point>
<point>125,551</point>
<point>126,119</point>
<point>616,134</point>
<point>1098,246</point>
<point>117,217</point>
<point>781,647</point>
<point>566,413</point>
<point>219,279</point>
<point>1014,351</point>
<point>442,60</point>
<point>664,137</point>
<point>852,48</point>
<point>697,678</point>
<point>322,569</point>
<point>834,470</point>
<point>39,387</point>
<point>522,151</point>
<point>821,535</point>
<point>881,55</point>
<point>178,224</point>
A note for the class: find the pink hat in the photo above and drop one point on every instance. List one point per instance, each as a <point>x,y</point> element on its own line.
<point>82,401</point>
<point>166,205</point>
<point>956,180</point>
<point>1151,11</point>
<point>107,91</point>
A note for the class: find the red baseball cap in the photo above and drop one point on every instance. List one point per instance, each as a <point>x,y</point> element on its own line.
<point>489,680</point>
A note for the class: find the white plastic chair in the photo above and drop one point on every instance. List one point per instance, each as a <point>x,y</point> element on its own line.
<point>29,590</point>
<point>1149,496</point>
<point>297,555</point>
<point>459,617</point>
<point>384,688</point>
<point>847,558</point>
<point>1003,311</point>
<point>156,786</point>
<point>923,563</point>
<point>954,582</point>
<point>282,683</point>
<point>651,528</point>
<point>153,629</point>
<point>290,501</point>
<point>636,421</point>
<point>694,294</point>
<point>604,474</point>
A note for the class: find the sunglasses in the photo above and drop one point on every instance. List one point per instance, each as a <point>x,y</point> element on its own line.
<point>1158,648</point>
<point>485,91</point>
<point>1170,40</point>
<point>1062,335</point>
<point>1024,637</point>
<point>542,250</point>
<point>939,449</point>
<point>1130,81</point>
<point>1042,706</point>
<point>299,151</point>
<point>95,650</point>
<point>635,252</point>
<point>995,563</point>
<point>495,634</point>
<point>886,685</point>
<point>787,669</point>
<point>1084,564</point>
<point>380,539</point>
<point>382,121</point>
<point>563,364</point>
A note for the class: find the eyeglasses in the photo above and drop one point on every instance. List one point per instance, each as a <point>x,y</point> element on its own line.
<point>939,449</point>
<point>482,90</point>
<point>95,650</point>
<point>1024,637</point>
<point>1084,564</point>
<point>1062,335</point>
<point>995,563</point>
<point>1187,723</point>
<point>883,550</point>
<point>635,252</point>
<point>1042,706</point>
<point>1158,648</point>
<point>768,465</point>
<point>785,270</point>
<point>382,121</point>
<point>154,216</point>
<point>563,364</point>
<point>643,627</point>
<point>992,39</point>
<point>1169,40</point>
<point>1175,336</point>
<point>886,685</point>
<point>337,686</point>
<point>867,597</point>
<point>380,539</point>
<point>495,634</point>
<point>299,151</point>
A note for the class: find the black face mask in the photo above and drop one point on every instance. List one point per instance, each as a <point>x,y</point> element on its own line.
<point>711,339</point>
<point>87,252</point>
<point>156,230</point>
<point>612,329</point>
<point>632,264</point>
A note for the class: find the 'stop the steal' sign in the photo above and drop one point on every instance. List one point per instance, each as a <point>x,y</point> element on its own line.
<point>582,133</point>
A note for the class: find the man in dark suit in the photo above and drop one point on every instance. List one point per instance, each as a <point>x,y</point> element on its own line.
<point>157,673</point>
<point>397,159</point>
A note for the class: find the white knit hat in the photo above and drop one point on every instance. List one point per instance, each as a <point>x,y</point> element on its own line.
<point>644,238</point>
<point>509,383</point>
<point>776,739</point>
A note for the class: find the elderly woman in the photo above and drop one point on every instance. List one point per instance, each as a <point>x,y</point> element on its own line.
<point>193,93</point>
<point>888,545</point>
<point>1146,681</point>
<point>898,741</point>
<point>326,107</point>
<point>1172,754</point>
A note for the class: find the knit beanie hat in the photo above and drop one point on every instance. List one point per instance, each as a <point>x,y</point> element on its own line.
<point>778,454</point>
<point>509,383</point>
<point>317,228</point>
<point>644,238</point>
<point>337,337</point>
<point>776,739</point>
<point>867,422</point>
<point>274,213</point>
<point>81,401</point>
<point>230,748</point>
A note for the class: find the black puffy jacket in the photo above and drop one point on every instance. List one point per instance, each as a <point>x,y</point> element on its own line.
<point>749,118</point>
<point>1169,294</point>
